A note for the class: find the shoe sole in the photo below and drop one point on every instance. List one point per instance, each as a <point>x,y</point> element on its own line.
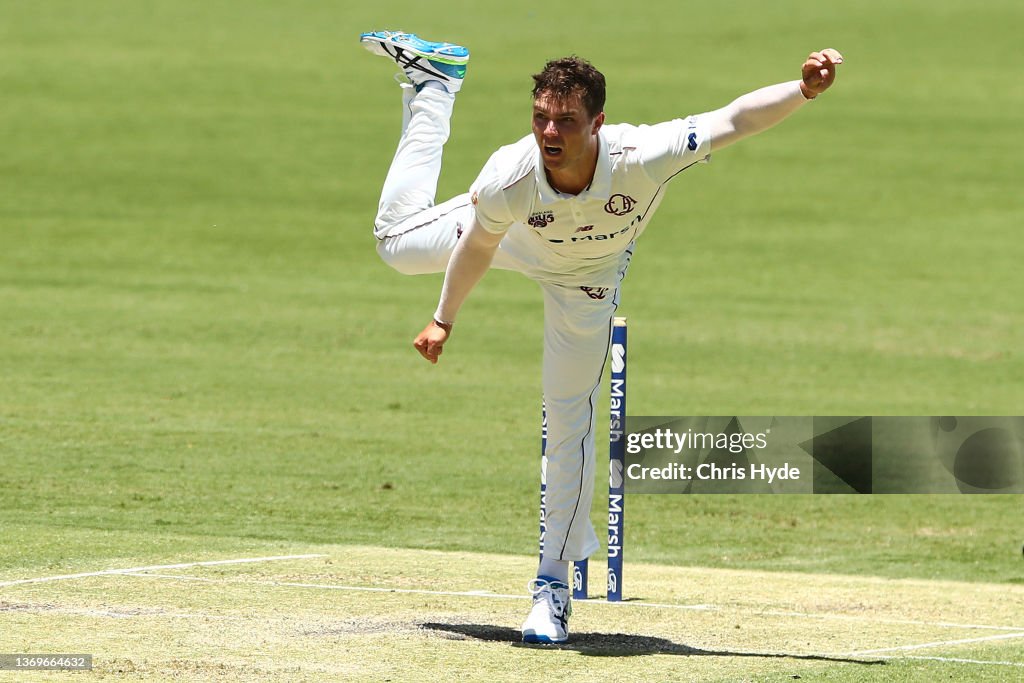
<point>375,45</point>
<point>534,639</point>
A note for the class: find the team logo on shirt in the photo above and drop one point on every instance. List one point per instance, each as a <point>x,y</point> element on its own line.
<point>541,219</point>
<point>620,204</point>
<point>596,293</point>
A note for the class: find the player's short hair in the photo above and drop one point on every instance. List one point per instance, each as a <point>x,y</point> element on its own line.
<point>571,76</point>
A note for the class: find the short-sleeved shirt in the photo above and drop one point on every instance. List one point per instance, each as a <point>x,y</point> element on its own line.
<point>634,164</point>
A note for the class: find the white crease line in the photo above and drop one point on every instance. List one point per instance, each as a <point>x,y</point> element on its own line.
<point>943,643</point>
<point>886,620</point>
<point>957,660</point>
<point>183,565</point>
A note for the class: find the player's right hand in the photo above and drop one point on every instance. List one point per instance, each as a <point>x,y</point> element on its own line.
<point>819,72</point>
<point>430,341</point>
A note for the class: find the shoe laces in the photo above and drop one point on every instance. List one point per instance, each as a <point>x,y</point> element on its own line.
<point>557,598</point>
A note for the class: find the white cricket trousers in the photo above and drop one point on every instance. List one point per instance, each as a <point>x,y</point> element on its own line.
<point>415,236</point>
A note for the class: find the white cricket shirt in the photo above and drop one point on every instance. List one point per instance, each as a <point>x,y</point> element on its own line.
<point>593,228</point>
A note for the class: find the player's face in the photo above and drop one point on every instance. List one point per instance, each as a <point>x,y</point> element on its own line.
<point>566,134</point>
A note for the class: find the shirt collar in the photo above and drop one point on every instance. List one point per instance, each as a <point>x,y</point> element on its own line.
<point>600,187</point>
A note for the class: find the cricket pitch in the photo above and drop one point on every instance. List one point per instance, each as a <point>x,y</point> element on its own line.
<point>326,613</point>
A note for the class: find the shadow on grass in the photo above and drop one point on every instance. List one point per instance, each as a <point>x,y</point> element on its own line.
<point>616,644</point>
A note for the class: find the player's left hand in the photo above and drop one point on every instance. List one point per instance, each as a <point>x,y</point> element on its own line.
<point>819,71</point>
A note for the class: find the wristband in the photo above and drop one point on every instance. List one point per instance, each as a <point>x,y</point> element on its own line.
<point>447,327</point>
<point>804,92</point>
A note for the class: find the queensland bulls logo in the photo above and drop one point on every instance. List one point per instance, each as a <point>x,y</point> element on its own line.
<point>541,219</point>
<point>620,204</point>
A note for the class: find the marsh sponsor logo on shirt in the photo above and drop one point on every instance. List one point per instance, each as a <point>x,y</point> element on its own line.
<point>620,204</point>
<point>589,236</point>
<point>541,219</point>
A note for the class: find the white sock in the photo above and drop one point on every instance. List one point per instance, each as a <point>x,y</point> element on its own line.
<point>435,85</point>
<point>555,569</point>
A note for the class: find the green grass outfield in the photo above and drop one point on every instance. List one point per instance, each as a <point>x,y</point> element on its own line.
<point>201,356</point>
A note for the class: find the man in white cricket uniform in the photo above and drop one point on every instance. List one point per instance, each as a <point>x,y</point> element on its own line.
<point>563,206</point>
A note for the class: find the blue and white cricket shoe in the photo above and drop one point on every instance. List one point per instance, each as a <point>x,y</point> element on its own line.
<point>549,618</point>
<point>420,60</point>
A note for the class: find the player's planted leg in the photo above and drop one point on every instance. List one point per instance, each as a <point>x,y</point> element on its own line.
<point>548,621</point>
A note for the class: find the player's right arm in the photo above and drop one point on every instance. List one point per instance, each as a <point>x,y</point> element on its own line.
<point>470,260</point>
<point>472,255</point>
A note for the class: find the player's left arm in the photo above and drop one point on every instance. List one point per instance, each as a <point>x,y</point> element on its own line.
<point>763,108</point>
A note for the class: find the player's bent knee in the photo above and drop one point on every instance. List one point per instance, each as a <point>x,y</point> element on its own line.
<point>404,261</point>
<point>393,259</point>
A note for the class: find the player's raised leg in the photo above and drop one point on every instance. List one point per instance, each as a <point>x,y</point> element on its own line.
<point>420,60</point>
<point>432,73</point>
